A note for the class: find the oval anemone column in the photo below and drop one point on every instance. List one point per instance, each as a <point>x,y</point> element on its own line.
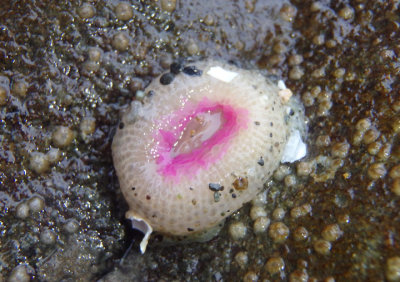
<point>202,142</point>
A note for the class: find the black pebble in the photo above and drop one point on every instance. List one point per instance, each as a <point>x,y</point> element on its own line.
<point>192,70</point>
<point>261,161</point>
<point>121,125</point>
<point>166,78</point>
<point>215,187</point>
<point>175,68</point>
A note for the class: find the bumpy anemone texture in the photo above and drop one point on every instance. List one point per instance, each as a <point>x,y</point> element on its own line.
<point>199,145</point>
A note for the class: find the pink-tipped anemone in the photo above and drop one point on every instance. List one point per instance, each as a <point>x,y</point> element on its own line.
<point>199,145</point>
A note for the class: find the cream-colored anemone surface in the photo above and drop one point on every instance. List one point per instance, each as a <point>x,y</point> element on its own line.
<point>196,195</point>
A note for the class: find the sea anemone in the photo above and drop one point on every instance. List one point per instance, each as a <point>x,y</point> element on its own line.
<point>200,144</point>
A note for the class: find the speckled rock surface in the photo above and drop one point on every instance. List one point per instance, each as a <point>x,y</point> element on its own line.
<point>66,70</point>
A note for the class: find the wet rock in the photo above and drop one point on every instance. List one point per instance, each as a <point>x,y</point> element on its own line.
<point>321,49</point>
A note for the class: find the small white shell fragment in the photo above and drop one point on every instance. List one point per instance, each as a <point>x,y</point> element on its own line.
<point>222,74</point>
<point>295,148</point>
<point>140,224</point>
<point>285,95</point>
<point>281,85</point>
<point>140,94</point>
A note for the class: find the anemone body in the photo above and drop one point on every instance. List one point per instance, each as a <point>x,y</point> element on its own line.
<point>199,146</point>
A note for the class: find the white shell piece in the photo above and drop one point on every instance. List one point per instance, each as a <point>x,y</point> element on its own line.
<point>140,94</point>
<point>285,95</point>
<point>140,224</point>
<point>281,85</point>
<point>295,148</point>
<point>222,74</point>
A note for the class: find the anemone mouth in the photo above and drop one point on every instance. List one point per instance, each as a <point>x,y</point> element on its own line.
<point>185,137</point>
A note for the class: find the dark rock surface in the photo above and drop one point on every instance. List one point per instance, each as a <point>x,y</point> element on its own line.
<point>67,68</point>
